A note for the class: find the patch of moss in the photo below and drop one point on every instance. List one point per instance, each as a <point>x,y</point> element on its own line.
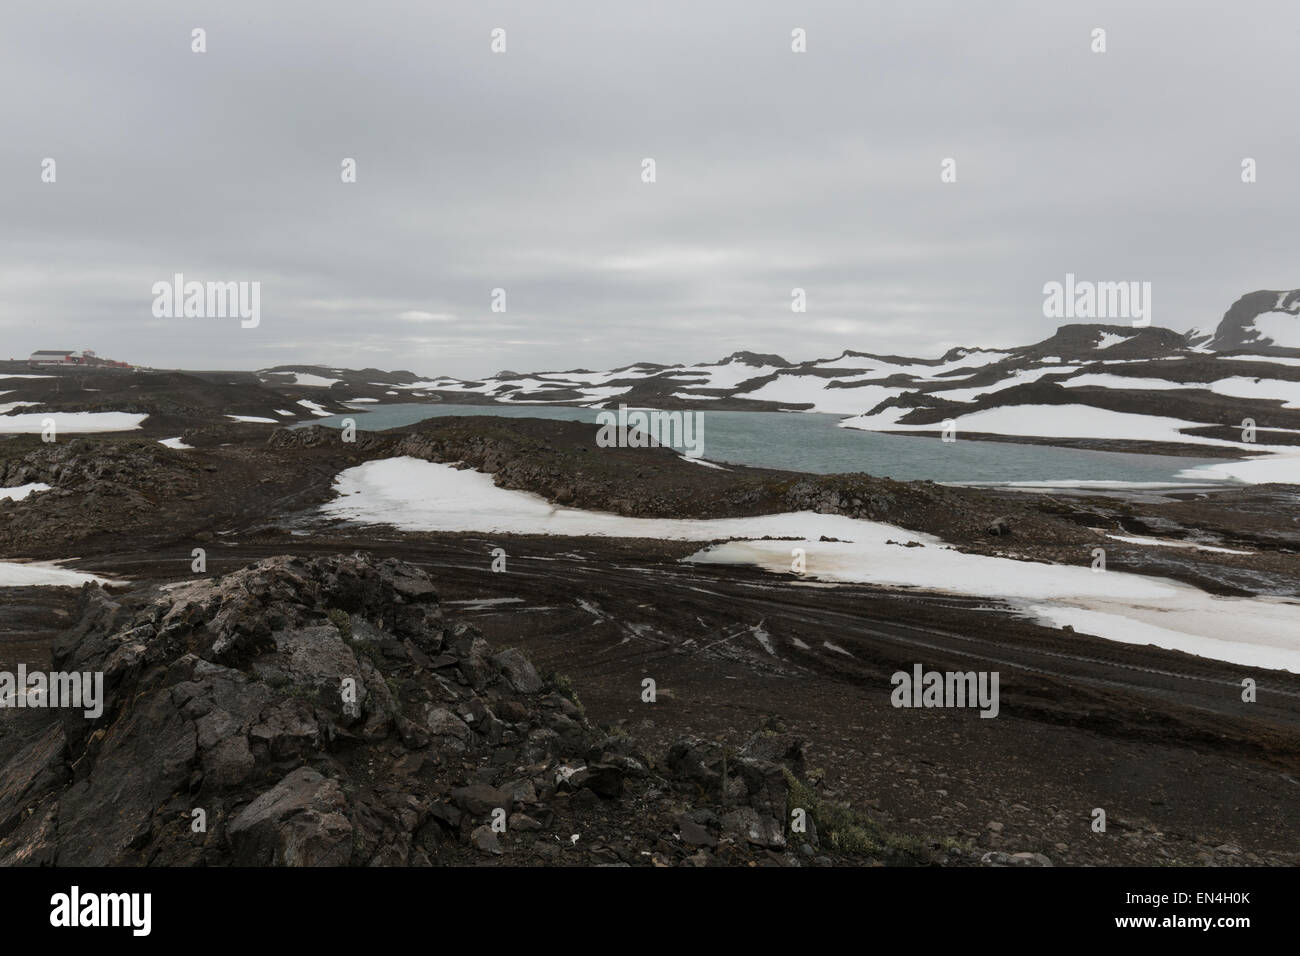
<point>845,831</point>
<point>342,620</point>
<point>562,685</point>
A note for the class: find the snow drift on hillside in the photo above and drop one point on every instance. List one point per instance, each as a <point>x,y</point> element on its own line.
<point>44,574</point>
<point>20,492</point>
<point>417,495</point>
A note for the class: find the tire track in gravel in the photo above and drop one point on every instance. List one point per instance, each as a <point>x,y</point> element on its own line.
<point>883,629</point>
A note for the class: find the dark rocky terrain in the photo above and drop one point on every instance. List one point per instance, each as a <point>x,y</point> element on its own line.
<point>229,736</point>
<point>174,401</point>
<point>598,616</point>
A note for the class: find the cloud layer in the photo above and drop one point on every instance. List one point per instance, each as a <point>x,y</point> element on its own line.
<point>522,171</point>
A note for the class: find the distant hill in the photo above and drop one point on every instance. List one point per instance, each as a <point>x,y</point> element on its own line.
<point>1266,320</point>
<point>1086,382</point>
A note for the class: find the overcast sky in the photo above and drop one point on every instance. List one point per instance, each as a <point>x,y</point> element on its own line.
<point>522,171</point>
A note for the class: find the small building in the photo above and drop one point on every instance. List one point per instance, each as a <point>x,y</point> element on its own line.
<point>45,358</point>
<point>42,359</point>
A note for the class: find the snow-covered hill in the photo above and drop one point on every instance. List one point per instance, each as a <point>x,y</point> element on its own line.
<point>1266,321</point>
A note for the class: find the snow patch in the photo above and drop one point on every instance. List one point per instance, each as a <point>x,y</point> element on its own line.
<point>1110,338</point>
<point>1164,543</point>
<point>701,461</point>
<point>66,423</point>
<point>44,574</point>
<point>1269,389</point>
<point>1106,380</point>
<point>304,378</point>
<point>1282,328</point>
<point>1283,468</point>
<point>808,389</point>
<point>1056,421</point>
<point>19,492</point>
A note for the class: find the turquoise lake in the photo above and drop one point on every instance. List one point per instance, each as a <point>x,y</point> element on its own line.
<point>815,443</point>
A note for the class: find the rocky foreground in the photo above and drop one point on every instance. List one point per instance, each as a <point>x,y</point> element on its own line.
<point>226,693</point>
<point>323,712</point>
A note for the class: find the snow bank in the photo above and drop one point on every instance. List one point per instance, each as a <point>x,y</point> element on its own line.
<point>1275,359</point>
<point>1282,468</point>
<point>417,495</point>
<point>1110,338</point>
<point>1264,388</point>
<point>1282,328</point>
<point>66,423</point>
<point>729,375</point>
<point>1106,380</point>
<point>1019,377</point>
<point>303,378</point>
<point>1055,421</point>
<point>36,574</point>
<point>19,492</point>
<point>805,389</point>
<point>1166,543</point>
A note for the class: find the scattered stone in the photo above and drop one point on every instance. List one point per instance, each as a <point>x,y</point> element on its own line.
<point>484,839</point>
<point>603,779</point>
<point>999,526</point>
<point>479,800</point>
<point>746,823</point>
<point>693,834</point>
<point>519,671</point>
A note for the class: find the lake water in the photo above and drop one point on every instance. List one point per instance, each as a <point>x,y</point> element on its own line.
<point>815,443</point>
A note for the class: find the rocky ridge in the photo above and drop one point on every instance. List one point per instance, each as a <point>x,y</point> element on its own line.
<point>325,712</point>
